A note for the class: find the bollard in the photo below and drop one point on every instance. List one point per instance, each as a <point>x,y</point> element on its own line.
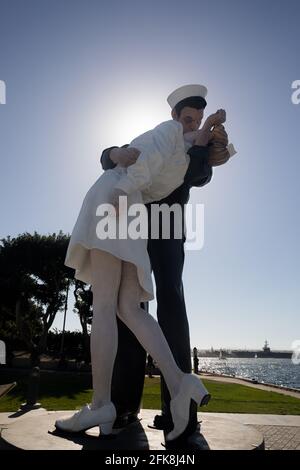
<point>195,361</point>
<point>32,391</point>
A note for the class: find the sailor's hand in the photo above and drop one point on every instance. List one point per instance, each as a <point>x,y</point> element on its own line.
<point>124,157</point>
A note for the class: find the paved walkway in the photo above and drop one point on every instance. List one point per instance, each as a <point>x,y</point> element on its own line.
<point>281,432</point>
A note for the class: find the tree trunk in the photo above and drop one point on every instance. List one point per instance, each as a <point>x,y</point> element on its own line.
<point>86,340</point>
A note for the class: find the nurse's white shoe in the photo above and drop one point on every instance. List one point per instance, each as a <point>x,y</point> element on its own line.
<point>87,418</point>
<point>191,388</point>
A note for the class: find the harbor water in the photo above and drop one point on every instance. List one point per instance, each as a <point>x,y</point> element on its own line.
<point>275,371</point>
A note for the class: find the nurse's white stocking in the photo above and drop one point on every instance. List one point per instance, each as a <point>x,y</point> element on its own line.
<point>106,275</point>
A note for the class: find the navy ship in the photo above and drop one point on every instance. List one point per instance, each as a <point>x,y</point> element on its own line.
<point>265,352</point>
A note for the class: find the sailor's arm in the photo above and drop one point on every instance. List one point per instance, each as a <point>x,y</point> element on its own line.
<point>199,171</point>
<point>122,156</point>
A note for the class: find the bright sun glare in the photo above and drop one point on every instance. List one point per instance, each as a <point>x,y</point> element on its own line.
<point>133,119</point>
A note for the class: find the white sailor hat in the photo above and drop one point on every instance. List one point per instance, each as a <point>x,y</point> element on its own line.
<point>186,91</point>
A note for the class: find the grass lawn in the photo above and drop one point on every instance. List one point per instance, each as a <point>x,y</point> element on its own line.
<point>232,398</point>
<point>67,391</point>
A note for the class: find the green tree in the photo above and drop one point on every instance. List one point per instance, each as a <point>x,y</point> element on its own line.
<point>83,307</point>
<point>33,279</point>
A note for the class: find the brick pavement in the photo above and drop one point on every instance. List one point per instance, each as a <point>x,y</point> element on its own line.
<point>280,437</point>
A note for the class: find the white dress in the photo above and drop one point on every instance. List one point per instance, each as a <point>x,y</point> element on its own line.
<point>159,170</point>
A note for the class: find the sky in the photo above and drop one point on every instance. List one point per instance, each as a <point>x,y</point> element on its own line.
<point>83,75</point>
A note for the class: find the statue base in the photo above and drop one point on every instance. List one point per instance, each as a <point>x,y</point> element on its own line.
<point>37,432</point>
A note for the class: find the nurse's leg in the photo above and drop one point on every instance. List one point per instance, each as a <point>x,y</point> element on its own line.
<point>106,275</point>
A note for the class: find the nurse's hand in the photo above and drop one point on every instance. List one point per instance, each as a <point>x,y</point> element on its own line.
<point>124,157</point>
<point>215,119</point>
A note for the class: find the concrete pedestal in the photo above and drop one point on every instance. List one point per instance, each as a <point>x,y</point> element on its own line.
<point>37,432</point>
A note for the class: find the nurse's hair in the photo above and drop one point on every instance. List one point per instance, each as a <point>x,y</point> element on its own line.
<point>196,102</point>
